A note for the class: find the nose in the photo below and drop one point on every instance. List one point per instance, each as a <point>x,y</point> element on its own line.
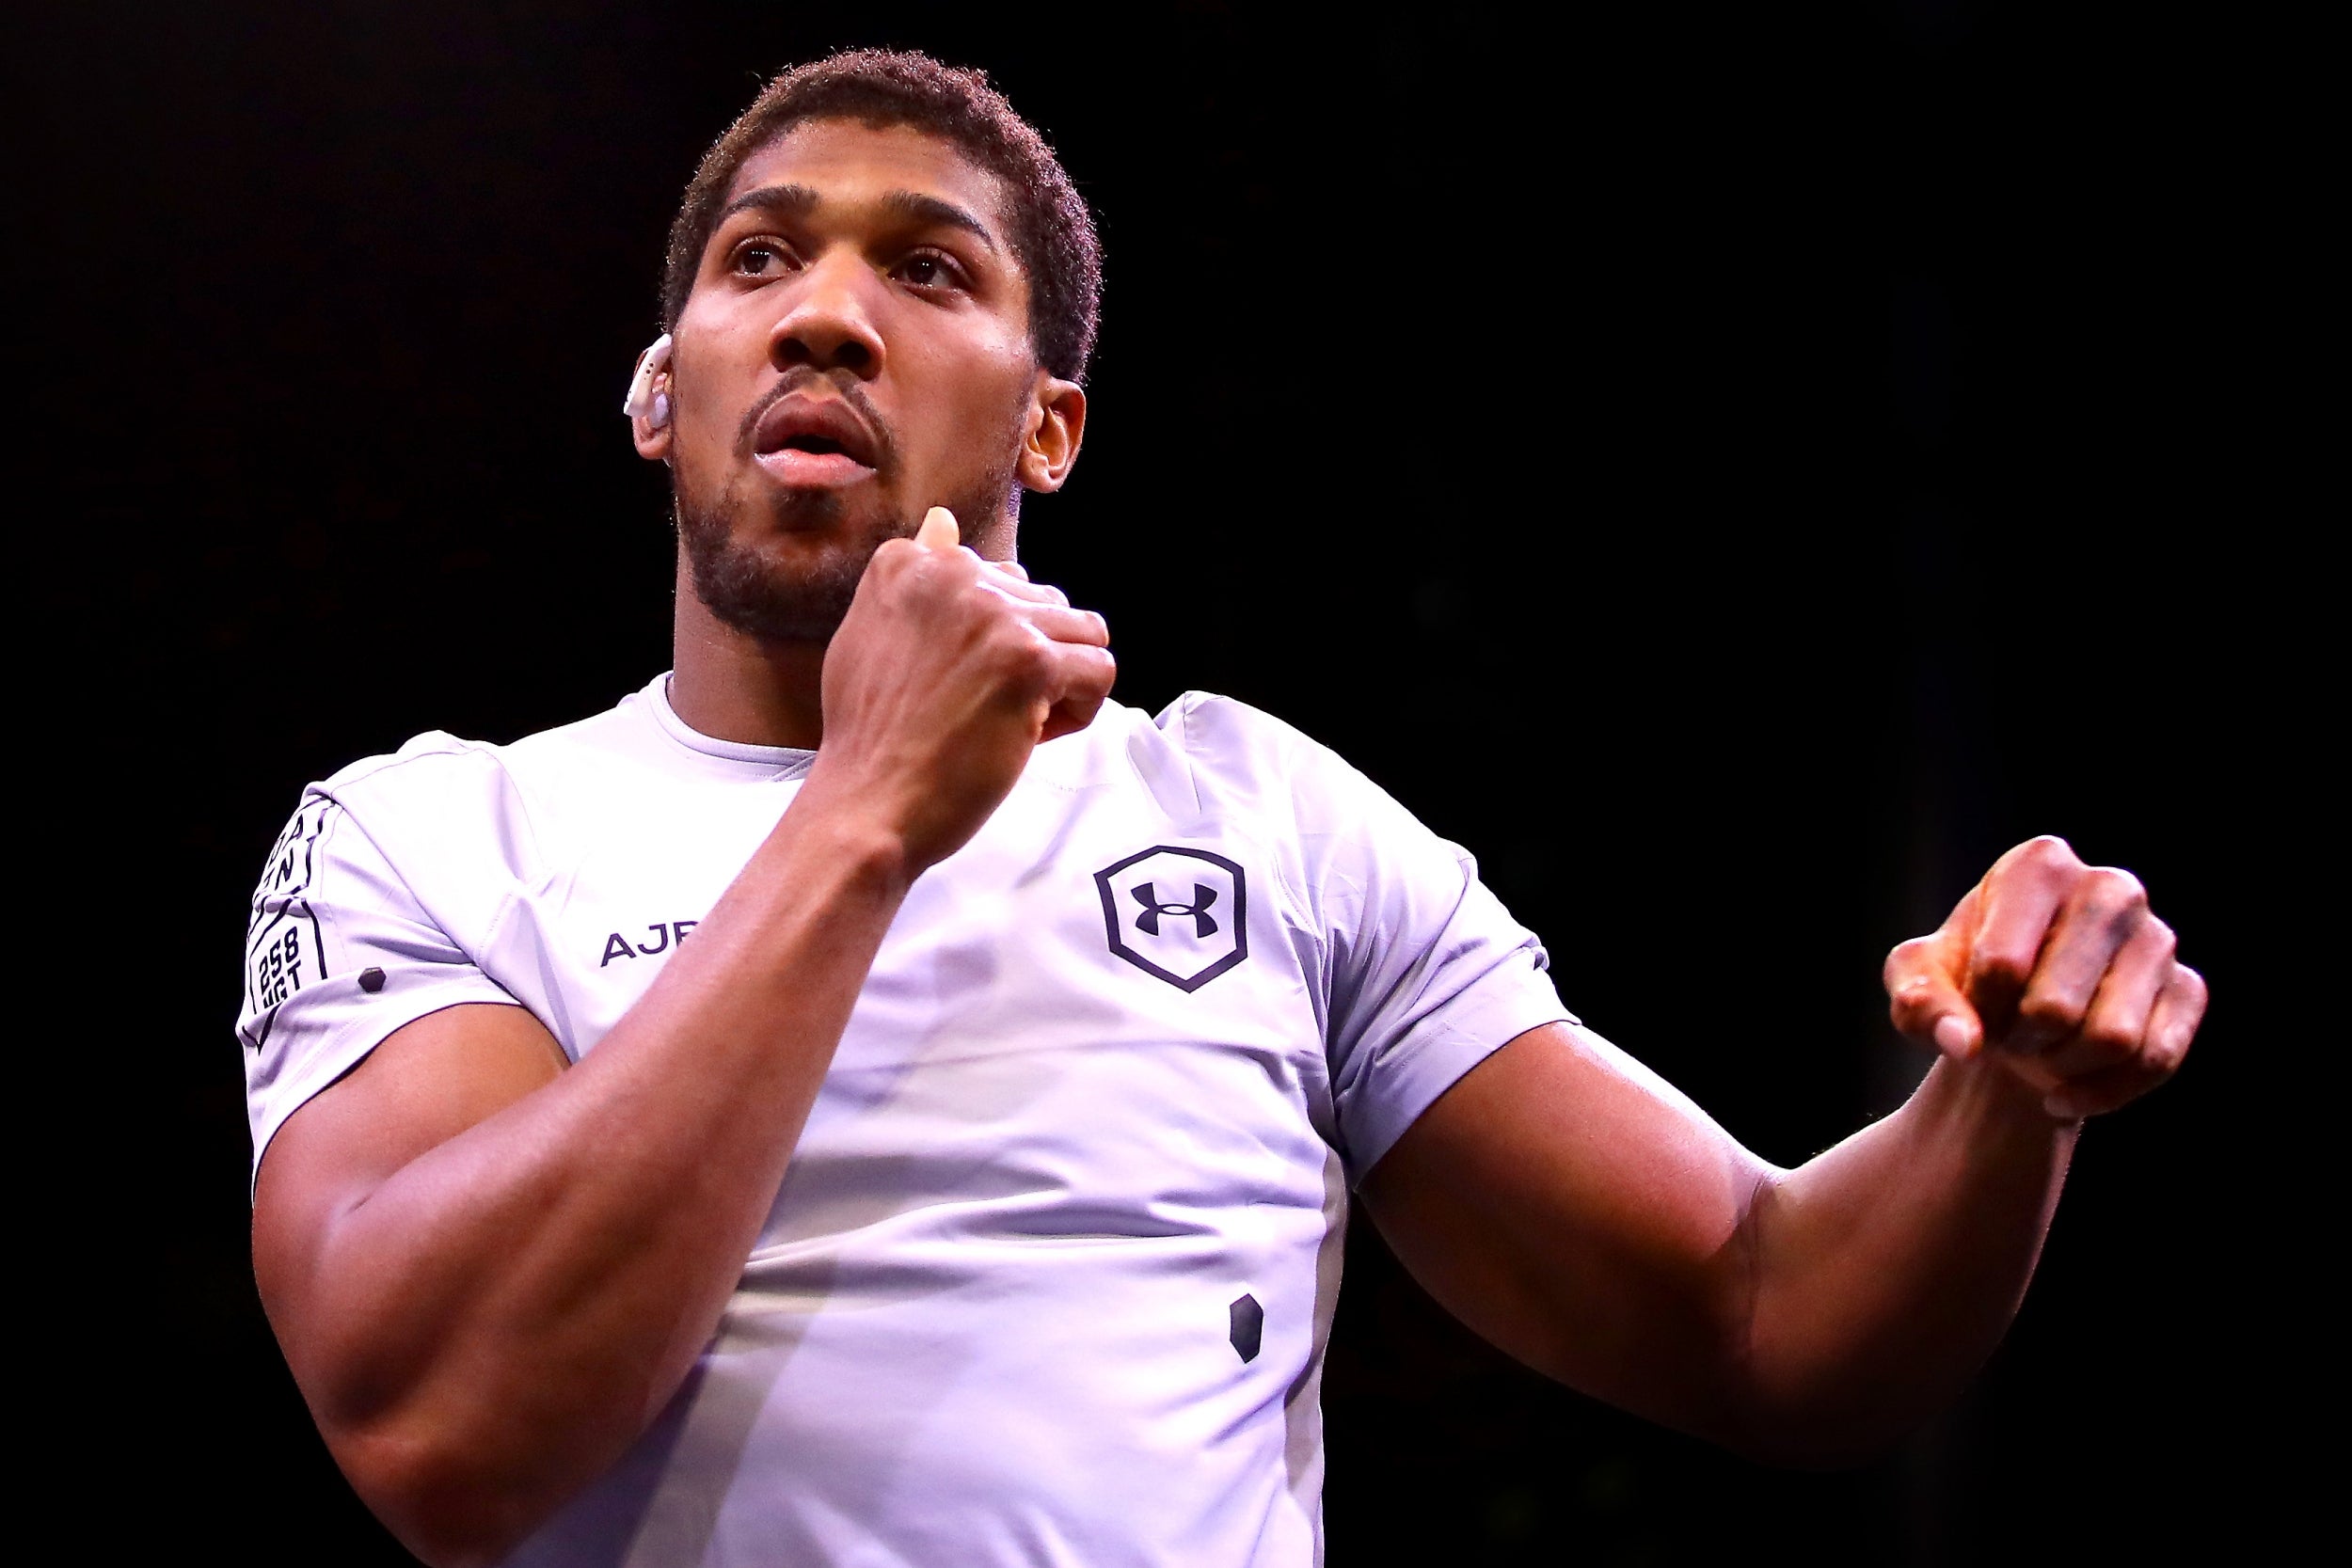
<point>828,326</point>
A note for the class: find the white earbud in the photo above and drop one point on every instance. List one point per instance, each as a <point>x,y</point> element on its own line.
<point>642,401</point>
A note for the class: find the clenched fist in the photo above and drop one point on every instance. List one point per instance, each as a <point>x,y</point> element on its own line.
<point>2058,973</point>
<point>946,673</point>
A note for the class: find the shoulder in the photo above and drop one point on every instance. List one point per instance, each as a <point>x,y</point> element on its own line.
<point>1203,755</point>
<point>626,734</point>
<point>425,765</point>
<point>1245,751</point>
<point>436,764</point>
<point>442,801</point>
<point>1223,731</point>
<point>1230,744</point>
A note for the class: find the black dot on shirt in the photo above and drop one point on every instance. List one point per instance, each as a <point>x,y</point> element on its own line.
<point>370,980</point>
<point>1248,1325</point>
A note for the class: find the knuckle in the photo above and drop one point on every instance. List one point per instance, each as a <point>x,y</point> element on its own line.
<point>2059,1015</point>
<point>2144,1071</point>
<point>1032,660</point>
<point>2111,1039</point>
<point>1001,639</point>
<point>2113,903</point>
<point>2113,890</point>
<point>1903,959</point>
<point>1998,968</point>
<point>1909,999</point>
<point>2048,852</point>
<point>2163,938</point>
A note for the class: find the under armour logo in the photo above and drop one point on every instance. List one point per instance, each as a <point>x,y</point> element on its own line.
<point>1205,924</point>
<point>1181,943</point>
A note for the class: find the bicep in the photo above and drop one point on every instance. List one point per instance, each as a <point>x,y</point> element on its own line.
<point>426,1083</point>
<point>1582,1217</point>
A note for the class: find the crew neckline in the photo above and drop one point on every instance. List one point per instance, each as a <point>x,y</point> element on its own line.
<point>792,758</point>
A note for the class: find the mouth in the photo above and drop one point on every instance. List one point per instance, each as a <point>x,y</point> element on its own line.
<point>810,442</point>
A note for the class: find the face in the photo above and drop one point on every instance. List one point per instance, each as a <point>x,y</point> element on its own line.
<point>855,351</point>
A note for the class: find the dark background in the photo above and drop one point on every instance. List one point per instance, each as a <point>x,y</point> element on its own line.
<point>1736,472</point>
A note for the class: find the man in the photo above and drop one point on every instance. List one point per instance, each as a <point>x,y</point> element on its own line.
<point>870,1099</point>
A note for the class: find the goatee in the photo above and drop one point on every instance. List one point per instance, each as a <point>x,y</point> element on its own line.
<point>755,595</point>
<point>759,596</point>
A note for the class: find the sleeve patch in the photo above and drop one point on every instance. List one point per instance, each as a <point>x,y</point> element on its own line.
<point>282,949</point>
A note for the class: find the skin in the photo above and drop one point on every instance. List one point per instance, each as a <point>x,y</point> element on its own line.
<point>1608,1233</point>
<point>489,1270</point>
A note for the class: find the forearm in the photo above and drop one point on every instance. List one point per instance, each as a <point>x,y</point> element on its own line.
<point>1887,1268</point>
<point>501,1316</point>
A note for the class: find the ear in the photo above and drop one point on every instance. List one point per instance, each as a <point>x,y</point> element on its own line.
<point>653,440</point>
<point>1057,426</point>
<point>647,404</point>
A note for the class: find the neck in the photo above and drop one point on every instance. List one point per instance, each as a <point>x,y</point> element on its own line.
<point>733,686</point>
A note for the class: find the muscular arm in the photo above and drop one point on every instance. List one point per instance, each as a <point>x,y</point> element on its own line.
<point>488,1272</point>
<point>1603,1230</point>
<point>488,1275</point>
<point>1592,1222</point>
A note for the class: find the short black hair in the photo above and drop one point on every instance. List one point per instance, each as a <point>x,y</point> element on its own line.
<point>1053,235</point>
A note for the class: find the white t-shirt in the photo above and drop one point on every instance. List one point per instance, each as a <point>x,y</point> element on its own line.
<point>1049,1278</point>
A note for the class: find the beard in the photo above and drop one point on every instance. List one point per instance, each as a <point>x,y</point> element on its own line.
<point>752,593</point>
<point>762,597</point>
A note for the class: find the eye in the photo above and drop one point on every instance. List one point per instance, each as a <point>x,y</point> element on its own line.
<point>760,258</point>
<point>930,269</point>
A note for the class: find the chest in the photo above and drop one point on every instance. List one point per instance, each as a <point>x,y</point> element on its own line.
<point>1096,994</point>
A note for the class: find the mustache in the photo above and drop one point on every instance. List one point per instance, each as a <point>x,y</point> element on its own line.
<point>800,377</point>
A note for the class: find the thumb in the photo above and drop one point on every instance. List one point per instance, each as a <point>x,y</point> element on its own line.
<point>939,530</point>
<point>1926,1005</point>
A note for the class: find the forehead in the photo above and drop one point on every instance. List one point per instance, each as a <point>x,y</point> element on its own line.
<point>853,165</point>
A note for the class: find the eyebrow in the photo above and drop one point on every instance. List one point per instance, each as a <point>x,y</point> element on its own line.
<point>788,201</point>
<point>931,209</point>
<point>800,200</point>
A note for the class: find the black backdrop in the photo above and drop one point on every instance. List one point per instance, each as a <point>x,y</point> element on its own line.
<point>1736,472</point>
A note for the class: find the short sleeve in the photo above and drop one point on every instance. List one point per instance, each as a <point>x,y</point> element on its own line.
<point>1428,974</point>
<point>339,954</point>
